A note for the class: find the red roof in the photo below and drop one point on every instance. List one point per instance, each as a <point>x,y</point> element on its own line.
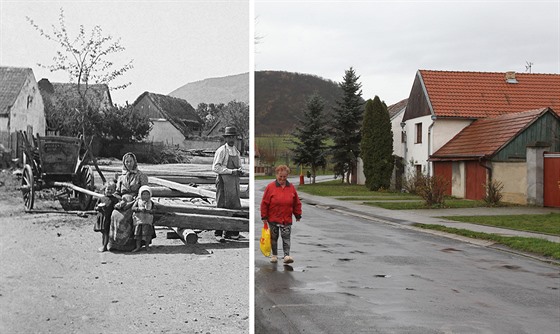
<point>487,94</point>
<point>486,136</point>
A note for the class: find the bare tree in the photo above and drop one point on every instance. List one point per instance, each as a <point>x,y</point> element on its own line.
<point>85,58</point>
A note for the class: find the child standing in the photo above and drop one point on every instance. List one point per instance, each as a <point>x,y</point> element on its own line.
<point>143,218</point>
<point>104,208</point>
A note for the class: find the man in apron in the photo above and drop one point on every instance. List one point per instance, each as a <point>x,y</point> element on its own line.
<point>227,164</point>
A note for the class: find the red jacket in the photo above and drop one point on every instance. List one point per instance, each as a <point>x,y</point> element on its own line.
<point>279,204</point>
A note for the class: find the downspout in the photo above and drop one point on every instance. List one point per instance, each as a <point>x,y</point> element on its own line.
<point>481,163</point>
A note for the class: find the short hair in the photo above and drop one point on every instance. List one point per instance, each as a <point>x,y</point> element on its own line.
<point>282,168</point>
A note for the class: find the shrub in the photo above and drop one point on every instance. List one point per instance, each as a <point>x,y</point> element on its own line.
<point>431,189</point>
<point>493,193</point>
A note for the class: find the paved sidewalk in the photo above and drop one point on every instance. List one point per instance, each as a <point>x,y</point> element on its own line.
<point>409,217</point>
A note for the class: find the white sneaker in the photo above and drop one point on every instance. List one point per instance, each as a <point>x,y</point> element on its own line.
<point>220,238</point>
<point>288,259</point>
<point>274,259</point>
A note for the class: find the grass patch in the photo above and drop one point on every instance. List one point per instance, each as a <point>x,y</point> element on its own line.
<point>549,223</point>
<point>337,188</point>
<point>449,204</point>
<point>384,197</point>
<point>531,245</point>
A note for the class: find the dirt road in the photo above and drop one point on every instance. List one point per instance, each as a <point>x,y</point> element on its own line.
<point>53,280</point>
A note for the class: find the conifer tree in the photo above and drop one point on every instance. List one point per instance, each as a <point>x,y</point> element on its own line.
<point>347,120</point>
<point>311,134</point>
<point>377,145</point>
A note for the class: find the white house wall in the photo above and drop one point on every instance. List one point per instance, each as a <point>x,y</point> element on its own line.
<point>445,129</point>
<point>416,153</point>
<point>398,145</point>
<point>163,131</point>
<point>24,114</point>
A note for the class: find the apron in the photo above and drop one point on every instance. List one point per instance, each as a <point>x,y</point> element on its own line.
<point>227,187</point>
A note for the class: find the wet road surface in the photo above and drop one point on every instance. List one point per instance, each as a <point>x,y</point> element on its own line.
<point>354,275</point>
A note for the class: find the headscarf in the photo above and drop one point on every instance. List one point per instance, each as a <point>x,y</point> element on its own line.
<point>134,166</point>
<point>141,203</point>
<point>144,188</point>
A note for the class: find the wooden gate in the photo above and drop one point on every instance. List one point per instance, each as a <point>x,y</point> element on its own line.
<point>551,179</point>
<point>475,180</point>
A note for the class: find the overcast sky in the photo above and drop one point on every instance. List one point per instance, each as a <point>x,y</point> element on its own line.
<point>386,42</point>
<point>172,42</point>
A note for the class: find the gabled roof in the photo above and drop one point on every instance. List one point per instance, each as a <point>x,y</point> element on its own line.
<point>486,136</point>
<point>12,80</point>
<point>397,108</point>
<point>487,94</point>
<point>69,92</point>
<point>172,107</point>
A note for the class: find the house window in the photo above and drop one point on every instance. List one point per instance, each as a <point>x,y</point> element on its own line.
<point>418,133</point>
<point>29,100</point>
<point>418,170</point>
<point>403,137</point>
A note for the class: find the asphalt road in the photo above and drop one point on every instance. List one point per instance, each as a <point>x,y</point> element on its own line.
<point>354,275</point>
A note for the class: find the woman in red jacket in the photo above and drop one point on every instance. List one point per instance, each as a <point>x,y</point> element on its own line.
<point>280,201</point>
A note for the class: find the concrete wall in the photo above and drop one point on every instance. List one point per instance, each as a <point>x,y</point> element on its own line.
<point>458,188</point>
<point>513,176</point>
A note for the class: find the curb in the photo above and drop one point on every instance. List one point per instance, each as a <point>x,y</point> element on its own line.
<point>405,224</point>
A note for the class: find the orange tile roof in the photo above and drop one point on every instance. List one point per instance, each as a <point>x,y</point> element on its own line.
<point>486,94</point>
<point>486,136</point>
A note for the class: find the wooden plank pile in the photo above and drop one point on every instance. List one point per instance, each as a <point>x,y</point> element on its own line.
<point>186,200</point>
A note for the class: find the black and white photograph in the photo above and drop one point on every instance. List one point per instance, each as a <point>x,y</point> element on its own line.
<point>124,183</point>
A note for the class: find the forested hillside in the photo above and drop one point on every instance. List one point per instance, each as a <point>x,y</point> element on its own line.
<point>215,90</point>
<point>281,96</point>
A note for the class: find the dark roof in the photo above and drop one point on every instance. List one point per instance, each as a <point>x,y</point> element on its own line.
<point>394,109</point>
<point>487,94</point>
<point>486,136</point>
<point>12,80</point>
<point>69,92</point>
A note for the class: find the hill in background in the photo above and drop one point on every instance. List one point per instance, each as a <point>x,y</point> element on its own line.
<point>280,97</point>
<point>215,90</point>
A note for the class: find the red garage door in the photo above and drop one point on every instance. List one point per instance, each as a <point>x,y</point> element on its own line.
<point>445,170</point>
<point>475,180</point>
<point>551,179</point>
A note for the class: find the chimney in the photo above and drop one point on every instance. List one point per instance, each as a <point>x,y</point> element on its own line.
<point>510,77</point>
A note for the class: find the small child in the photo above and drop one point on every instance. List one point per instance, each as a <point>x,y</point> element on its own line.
<point>104,208</point>
<point>143,218</point>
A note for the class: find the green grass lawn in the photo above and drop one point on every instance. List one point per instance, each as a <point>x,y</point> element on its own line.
<point>532,245</point>
<point>449,204</point>
<point>549,224</point>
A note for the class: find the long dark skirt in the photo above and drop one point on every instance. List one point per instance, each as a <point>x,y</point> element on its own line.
<point>121,234</point>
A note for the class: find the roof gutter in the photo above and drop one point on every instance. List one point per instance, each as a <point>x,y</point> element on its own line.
<point>482,162</point>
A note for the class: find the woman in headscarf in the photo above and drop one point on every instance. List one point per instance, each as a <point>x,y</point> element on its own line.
<point>121,234</point>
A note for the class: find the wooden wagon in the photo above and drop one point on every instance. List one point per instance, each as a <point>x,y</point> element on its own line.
<point>62,163</point>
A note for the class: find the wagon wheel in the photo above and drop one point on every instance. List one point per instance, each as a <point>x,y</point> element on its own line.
<point>86,181</point>
<point>28,187</point>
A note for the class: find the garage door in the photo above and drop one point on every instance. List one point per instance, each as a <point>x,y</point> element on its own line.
<point>551,179</point>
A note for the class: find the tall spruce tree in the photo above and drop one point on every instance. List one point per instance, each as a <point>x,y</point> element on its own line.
<point>347,120</point>
<point>310,136</point>
<point>377,145</point>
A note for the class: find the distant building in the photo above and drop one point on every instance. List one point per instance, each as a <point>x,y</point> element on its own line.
<point>173,119</point>
<point>21,106</point>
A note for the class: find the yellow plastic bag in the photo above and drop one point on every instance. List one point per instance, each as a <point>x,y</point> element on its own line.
<point>265,241</point>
